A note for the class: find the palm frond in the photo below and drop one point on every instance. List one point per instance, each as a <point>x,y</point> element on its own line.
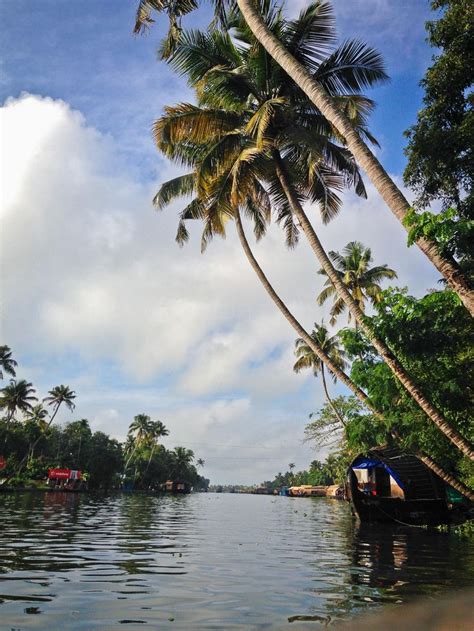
<point>352,67</point>
<point>180,186</point>
<point>310,37</point>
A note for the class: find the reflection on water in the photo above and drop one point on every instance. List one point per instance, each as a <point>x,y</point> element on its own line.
<point>208,561</point>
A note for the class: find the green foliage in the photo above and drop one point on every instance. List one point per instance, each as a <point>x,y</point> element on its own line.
<point>362,281</point>
<point>433,337</point>
<point>440,164</point>
<point>452,234</point>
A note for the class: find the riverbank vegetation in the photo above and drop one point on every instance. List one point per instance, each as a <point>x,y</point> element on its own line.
<point>30,444</point>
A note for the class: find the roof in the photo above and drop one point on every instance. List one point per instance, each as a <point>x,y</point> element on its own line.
<point>418,481</point>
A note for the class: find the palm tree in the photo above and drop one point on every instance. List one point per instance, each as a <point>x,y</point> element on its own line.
<point>181,460</point>
<point>138,433</point>
<point>245,139</point>
<point>353,268</point>
<point>200,462</point>
<point>156,431</point>
<point>317,86</point>
<point>7,364</point>
<point>298,62</point>
<point>60,395</point>
<point>308,359</point>
<point>37,417</point>
<point>17,396</point>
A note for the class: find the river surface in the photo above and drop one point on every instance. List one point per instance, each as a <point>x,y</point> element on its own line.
<point>209,561</point>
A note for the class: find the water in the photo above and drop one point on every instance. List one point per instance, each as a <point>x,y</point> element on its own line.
<point>212,561</point>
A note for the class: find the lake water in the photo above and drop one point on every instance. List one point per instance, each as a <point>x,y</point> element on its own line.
<point>211,561</point>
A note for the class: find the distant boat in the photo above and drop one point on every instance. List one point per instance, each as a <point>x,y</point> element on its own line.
<point>390,485</point>
<point>307,490</point>
<point>175,486</point>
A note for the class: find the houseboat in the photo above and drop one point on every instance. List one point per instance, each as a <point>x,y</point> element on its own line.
<point>175,486</point>
<point>390,485</point>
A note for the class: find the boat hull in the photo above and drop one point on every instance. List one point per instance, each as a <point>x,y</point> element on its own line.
<point>395,510</point>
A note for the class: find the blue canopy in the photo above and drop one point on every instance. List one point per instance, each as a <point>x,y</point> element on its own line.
<point>369,463</point>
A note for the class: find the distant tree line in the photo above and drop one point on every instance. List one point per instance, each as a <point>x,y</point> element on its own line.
<point>30,444</point>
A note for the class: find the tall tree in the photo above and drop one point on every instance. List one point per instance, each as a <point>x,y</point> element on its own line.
<point>181,462</point>
<point>7,363</point>
<point>60,395</point>
<point>318,93</point>
<point>17,396</point>
<point>138,433</point>
<point>318,88</point>
<point>37,418</point>
<point>440,161</point>
<point>156,431</point>
<point>307,359</point>
<point>251,139</point>
<point>353,268</point>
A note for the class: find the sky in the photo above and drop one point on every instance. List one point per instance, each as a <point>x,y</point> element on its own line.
<point>96,294</point>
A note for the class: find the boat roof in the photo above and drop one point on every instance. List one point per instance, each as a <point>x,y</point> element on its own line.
<point>412,475</point>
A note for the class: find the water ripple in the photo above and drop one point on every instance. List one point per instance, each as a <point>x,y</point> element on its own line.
<point>208,561</point>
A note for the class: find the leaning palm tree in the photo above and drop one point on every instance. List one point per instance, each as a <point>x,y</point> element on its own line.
<point>138,434</point>
<point>58,396</point>
<point>245,136</point>
<point>37,417</point>
<point>318,85</point>
<point>353,268</point>
<point>7,364</point>
<point>156,430</point>
<point>308,359</point>
<point>17,396</point>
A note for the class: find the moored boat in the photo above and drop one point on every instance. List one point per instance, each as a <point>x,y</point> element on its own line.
<point>390,485</point>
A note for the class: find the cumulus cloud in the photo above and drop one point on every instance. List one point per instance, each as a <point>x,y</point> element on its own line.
<point>93,282</point>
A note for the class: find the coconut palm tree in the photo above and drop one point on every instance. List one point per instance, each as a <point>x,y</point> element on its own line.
<point>245,136</point>
<point>181,461</point>
<point>58,396</point>
<point>308,359</point>
<point>156,431</point>
<point>17,396</point>
<point>138,434</point>
<point>353,267</point>
<point>317,87</point>
<point>298,62</point>
<point>37,417</point>
<point>7,364</point>
<point>200,462</point>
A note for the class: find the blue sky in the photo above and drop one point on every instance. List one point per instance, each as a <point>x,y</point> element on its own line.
<point>95,292</point>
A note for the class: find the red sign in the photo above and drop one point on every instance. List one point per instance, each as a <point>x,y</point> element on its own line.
<point>64,474</point>
<point>3,462</point>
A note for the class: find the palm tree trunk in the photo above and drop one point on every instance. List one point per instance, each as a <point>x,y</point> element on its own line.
<point>149,459</point>
<point>387,188</point>
<point>33,446</point>
<point>397,369</point>
<point>292,320</point>
<point>341,375</point>
<point>447,477</point>
<point>131,456</point>
<point>329,400</point>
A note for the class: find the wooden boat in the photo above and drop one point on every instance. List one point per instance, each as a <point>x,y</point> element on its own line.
<point>175,486</point>
<point>390,485</point>
<point>307,490</point>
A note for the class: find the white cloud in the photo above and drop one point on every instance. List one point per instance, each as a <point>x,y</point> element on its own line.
<point>91,272</point>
